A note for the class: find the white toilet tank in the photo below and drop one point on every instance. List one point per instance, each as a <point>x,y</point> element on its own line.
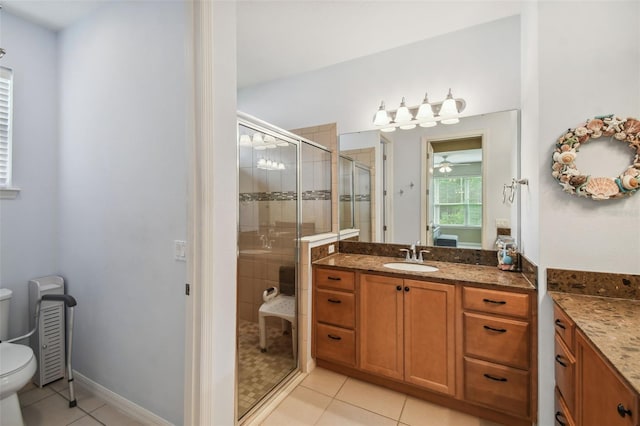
<point>5,300</point>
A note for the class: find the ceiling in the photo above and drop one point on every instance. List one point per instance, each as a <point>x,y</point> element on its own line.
<point>277,39</point>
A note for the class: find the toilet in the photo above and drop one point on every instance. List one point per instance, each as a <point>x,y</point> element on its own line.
<point>17,367</point>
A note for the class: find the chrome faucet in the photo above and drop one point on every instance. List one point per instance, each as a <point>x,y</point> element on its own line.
<point>412,255</point>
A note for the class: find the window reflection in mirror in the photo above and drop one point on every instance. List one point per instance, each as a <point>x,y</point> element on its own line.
<point>455,209</point>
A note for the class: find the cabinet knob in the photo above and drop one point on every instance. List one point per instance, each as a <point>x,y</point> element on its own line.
<point>559,360</point>
<point>497,330</point>
<point>399,288</point>
<point>406,289</point>
<point>623,411</point>
<point>495,302</point>
<point>497,379</point>
<point>559,416</point>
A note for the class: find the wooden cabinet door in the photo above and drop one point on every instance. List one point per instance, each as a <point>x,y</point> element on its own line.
<point>603,398</point>
<point>380,325</point>
<point>429,338</point>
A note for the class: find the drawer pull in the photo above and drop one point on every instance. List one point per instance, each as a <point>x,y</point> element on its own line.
<point>334,300</point>
<point>334,278</point>
<point>331,336</point>
<point>497,379</point>
<point>559,359</point>
<point>623,411</point>
<point>560,324</point>
<point>495,302</point>
<point>497,330</point>
<point>559,416</point>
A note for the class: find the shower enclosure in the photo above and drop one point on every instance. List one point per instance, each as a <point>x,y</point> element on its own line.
<point>284,183</point>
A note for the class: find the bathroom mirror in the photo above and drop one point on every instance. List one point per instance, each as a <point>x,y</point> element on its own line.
<point>441,185</point>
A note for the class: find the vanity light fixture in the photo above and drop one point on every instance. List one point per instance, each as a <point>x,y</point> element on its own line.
<point>425,115</point>
<point>266,164</point>
<point>261,142</point>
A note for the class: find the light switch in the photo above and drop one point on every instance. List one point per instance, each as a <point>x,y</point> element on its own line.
<point>180,250</point>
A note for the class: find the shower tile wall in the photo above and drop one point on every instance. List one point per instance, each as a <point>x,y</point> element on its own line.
<point>327,136</point>
<point>267,211</point>
<point>315,170</point>
<point>367,157</point>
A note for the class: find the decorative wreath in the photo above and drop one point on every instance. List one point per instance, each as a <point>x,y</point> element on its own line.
<point>598,188</point>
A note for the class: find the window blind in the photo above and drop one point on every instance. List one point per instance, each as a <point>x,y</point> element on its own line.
<point>6,115</point>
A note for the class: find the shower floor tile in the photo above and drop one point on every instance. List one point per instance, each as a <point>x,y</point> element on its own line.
<point>259,372</point>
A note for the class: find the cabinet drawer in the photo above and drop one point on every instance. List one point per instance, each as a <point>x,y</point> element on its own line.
<point>565,327</point>
<point>335,307</point>
<point>502,388</point>
<point>562,416</point>
<point>334,278</point>
<point>496,302</point>
<point>335,344</point>
<point>565,368</point>
<point>497,339</point>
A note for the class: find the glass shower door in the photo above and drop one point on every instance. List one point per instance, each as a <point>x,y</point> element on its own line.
<point>267,263</point>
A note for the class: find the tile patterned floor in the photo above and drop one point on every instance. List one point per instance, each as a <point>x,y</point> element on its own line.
<point>325,398</point>
<point>259,372</point>
<point>49,406</point>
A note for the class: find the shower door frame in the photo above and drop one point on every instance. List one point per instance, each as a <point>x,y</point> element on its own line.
<point>256,124</point>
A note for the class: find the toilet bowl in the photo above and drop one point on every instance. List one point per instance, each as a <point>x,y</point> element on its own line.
<point>17,366</point>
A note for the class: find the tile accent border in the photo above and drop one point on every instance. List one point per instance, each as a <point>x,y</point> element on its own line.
<point>605,284</point>
<point>318,195</point>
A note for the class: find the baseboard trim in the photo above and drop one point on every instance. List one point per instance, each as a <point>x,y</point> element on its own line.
<point>117,401</point>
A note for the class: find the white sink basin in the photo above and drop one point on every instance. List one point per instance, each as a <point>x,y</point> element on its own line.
<point>413,267</point>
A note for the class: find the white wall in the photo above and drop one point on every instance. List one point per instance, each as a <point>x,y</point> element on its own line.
<point>480,64</point>
<point>125,81</point>
<point>28,224</point>
<point>576,233</point>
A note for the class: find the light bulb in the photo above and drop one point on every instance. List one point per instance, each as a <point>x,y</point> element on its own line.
<point>408,126</point>
<point>425,111</point>
<point>382,116</point>
<point>257,138</point>
<point>402,114</point>
<point>245,140</point>
<point>449,110</point>
<point>281,166</point>
<point>427,124</point>
<point>388,129</point>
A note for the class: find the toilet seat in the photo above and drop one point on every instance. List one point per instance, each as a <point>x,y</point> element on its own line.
<point>14,358</point>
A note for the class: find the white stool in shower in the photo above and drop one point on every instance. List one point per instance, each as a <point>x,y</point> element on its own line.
<point>280,306</point>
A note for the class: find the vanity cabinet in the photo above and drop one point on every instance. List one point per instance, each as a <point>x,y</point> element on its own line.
<point>497,349</point>
<point>334,313</point>
<point>407,331</point>
<point>589,392</point>
<point>467,348</point>
<point>603,397</point>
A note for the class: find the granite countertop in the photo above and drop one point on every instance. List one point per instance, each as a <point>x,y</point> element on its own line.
<point>454,273</point>
<point>612,325</point>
